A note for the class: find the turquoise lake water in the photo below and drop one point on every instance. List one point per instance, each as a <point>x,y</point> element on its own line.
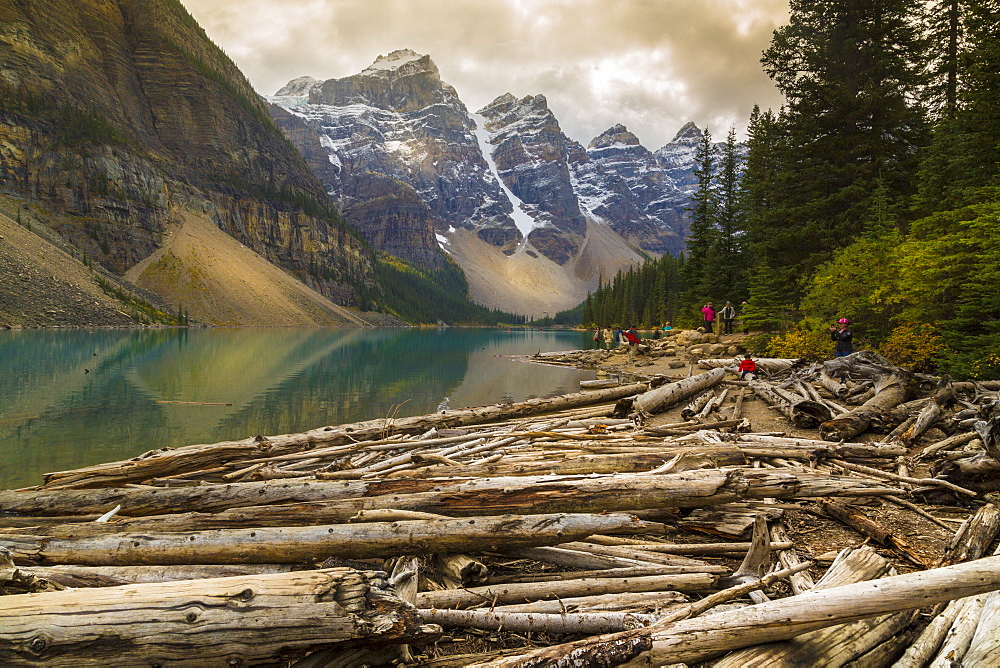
<point>75,398</point>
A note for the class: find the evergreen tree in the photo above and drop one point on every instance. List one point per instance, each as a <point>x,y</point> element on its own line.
<point>852,72</point>
<point>728,257</point>
<point>702,232</point>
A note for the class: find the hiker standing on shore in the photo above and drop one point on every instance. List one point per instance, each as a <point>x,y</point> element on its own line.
<point>843,335</point>
<point>708,314</point>
<point>728,314</point>
<point>609,338</point>
<point>632,337</point>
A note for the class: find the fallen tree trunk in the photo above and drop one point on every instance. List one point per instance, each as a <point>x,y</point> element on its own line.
<point>167,462</point>
<point>528,622</point>
<point>655,401</point>
<point>512,495</point>
<point>701,638</point>
<point>804,413</point>
<point>113,576</point>
<point>527,592</point>
<point>315,543</point>
<point>239,620</point>
<point>890,391</point>
<point>765,364</point>
<point>872,529</point>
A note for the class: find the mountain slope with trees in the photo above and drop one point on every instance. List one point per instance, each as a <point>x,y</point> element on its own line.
<point>874,194</point>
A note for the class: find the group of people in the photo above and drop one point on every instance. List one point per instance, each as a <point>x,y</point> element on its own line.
<point>727,314</point>
<point>619,337</point>
<point>840,333</point>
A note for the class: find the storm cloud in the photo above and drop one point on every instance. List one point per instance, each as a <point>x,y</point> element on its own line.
<point>651,65</point>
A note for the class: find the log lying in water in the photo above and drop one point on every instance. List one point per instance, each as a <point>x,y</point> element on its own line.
<point>315,543</point>
<point>236,621</point>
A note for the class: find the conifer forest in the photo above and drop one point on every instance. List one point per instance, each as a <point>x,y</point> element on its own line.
<point>873,194</point>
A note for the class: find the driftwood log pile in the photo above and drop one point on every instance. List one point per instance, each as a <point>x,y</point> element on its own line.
<point>577,530</point>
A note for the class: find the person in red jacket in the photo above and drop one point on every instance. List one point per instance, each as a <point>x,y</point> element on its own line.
<point>747,367</point>
<point>632,336</point>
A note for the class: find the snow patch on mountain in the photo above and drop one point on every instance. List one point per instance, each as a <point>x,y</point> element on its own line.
<point>524,222</point>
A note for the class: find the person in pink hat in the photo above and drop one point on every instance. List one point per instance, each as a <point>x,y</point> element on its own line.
<point>842,334</point>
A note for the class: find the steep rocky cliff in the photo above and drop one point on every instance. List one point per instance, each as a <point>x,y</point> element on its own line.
<point>119,116</point>
<point>532,217</point>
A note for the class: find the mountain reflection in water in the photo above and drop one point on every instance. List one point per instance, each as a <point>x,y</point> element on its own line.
<point>75,398</point>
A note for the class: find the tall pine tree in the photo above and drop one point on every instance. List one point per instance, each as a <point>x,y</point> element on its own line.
<point>851,71</point>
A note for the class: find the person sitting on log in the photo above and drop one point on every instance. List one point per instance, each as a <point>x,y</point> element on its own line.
<point>748,368</point>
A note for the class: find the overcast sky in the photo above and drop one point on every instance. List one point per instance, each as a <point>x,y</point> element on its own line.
<point>652,65</point>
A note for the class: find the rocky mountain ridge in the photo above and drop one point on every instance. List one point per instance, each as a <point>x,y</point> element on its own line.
<point>419,174</point>
<point>119,119</point>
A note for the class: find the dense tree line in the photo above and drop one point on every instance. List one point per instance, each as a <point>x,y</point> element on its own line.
<point>645,296</point>
<point>873,194</point>
<point>428,297</point>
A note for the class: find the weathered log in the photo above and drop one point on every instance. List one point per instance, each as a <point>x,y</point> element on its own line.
<point>984,649</point>
<point>315,543</point>
<point>979,473</point>
<point>642,600</point>
<point>804,413</point>
<point>517,495</point>
<point>190,458</point>
<point>700,638</point>
<point>691,549</point>
<point>973,539</point>
<point>655,401</point>
<point>245,620</point>
<point>528,622</point>
<point>696,405</point>
<point>930,414</point>
<point>923,649</point>
<point>585,464</point>
<point>113,576</point>
<point>835,645</point>
<point>757,559</point>
<point>890,390</point>
<point>536,591</point>
<point>788,558</point>
<point>845,450</point>
<point>873,530</point>
<point>461,570</point>
<point>959,636</point>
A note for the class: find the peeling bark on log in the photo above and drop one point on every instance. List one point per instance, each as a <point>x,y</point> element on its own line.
<point>246,620</point>
<point>696,405</point>
<point>315,543</point>
<point>655,401</point>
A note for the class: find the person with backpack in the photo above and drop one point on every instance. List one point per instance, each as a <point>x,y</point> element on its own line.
<point>631,336</point>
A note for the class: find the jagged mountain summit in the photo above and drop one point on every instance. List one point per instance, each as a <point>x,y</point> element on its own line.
<point>532,217</point>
